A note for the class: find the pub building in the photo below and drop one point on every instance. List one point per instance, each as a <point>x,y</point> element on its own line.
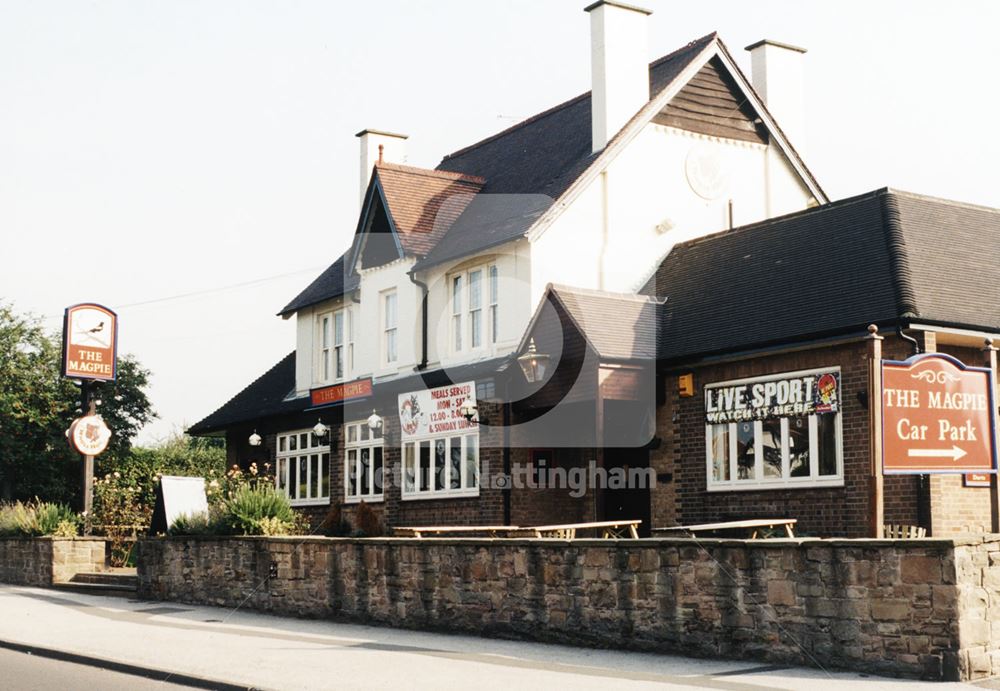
<point>645,281</point>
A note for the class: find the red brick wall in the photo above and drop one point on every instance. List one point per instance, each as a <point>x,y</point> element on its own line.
<point>548,506</point>
<point>837,511</point>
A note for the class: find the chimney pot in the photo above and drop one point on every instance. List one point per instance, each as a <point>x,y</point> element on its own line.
<point>619,67</point>
<point>379,146</point>
<point>776,71</point>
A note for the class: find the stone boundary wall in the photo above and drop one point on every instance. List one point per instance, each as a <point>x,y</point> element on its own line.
<point>918,608</point>
<point>42,561</point>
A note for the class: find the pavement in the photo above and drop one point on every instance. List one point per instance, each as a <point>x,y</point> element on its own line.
<point>168,645</point>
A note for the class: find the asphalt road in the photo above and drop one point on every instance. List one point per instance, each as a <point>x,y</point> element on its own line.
<point>24,672</point>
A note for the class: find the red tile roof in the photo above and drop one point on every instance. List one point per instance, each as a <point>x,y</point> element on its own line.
<point>425,203</point>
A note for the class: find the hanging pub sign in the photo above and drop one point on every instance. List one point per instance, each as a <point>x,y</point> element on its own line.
<point>90,343</point>
<point>88,435</point>
<point>435,411</point>
<point>938,416</point>
<point>778,396</point>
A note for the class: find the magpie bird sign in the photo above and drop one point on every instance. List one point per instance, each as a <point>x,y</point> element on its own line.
<point>90,342</point>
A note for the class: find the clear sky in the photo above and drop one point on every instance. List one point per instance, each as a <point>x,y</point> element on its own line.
<point>206,149</point>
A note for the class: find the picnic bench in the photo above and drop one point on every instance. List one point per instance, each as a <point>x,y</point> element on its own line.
<point>421,531</point>
<point>751,526</point>
<point>567,531</point>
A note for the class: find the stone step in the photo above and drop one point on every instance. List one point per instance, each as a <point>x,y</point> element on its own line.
<point>111,589</point>
<point>119,577</point>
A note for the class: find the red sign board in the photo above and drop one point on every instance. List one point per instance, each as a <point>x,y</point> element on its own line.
<point>359,388</point>
<point>976,479</point>
<point>90,342</point>
<point>938,416</point>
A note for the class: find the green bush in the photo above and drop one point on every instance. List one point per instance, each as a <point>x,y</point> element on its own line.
<point>31,519</point>
<point>197,524</point>
<point>260,510</point>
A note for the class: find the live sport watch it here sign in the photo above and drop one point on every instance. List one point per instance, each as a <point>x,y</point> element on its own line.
<point>938,416</point>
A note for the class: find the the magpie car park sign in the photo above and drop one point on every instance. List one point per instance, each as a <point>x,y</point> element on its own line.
<point>938,416</point>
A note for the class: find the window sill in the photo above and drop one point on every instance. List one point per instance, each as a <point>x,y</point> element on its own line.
<point>454,494</point>
<point>749,486</point>
<point>373,499</point>
<point>296,503</point>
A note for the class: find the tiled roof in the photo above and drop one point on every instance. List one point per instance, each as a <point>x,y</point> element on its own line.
<point>330,284</point>
<point>539,157</point>
<point>829,270</point>
<point>264,397</point>
<point>618,326</point>
<point>424,203</point>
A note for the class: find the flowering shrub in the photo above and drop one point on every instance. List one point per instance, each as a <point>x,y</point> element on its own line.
<point>119,514</point>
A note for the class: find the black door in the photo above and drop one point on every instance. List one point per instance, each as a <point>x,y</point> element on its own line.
<point>632,500</point>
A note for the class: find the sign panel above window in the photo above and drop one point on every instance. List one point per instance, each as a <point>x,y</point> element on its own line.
<point>436,411</point>
<point>780,396</point>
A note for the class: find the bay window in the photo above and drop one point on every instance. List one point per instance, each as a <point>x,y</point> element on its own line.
<point>364,463</point>
<point>302,468</point>
<point>776,431</point>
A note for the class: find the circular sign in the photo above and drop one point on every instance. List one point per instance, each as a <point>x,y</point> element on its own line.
<point>706,172</point>
<point>89,435</point>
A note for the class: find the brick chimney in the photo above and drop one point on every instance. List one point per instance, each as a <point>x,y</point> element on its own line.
<point>375,145</point>
<point>619,67</point>
<point>776,71</point>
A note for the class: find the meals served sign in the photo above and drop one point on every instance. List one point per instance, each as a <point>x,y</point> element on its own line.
<point>435,411</point>
<point>804,393</point>
<point>938,416</point>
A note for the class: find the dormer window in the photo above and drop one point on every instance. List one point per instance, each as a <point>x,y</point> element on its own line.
<point>336,345</point>
<point>474,316</point>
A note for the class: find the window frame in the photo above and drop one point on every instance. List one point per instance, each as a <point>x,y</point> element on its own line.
<point>327,346</point>
<point>447,492</point>
<point>389,333</point>
<point>465,316</point>
<point>284,467</point>
<point>358,444</point>
<point>786,481</point>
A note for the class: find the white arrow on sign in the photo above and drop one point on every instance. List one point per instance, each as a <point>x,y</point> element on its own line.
<point>954,452</point>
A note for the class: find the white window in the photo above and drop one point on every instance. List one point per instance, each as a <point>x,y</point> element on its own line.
<point>336,345</point>
<point>364,467</point>
<point>474,316</point>
<point>390,320</point>
<point>774,432</point>
<point>494,298</point>
<point>303,468</point>
<point>441,466</point>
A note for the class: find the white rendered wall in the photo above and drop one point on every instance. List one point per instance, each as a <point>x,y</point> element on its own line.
<point>608,239</point>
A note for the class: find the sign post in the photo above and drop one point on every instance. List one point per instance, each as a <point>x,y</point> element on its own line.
<point>990,362</point>
<point>875,427</point>
<point>89,354</point>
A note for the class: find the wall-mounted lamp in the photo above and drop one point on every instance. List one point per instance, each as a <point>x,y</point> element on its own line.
<point>533,363</point>
<point>468,409</point>
<point>374,421</point>
<point>320,430</point>
<point>255,439</point>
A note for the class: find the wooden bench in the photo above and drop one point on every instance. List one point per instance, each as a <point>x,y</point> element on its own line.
<point>751,526</point>
<point>421,531</point>
<point>893,531</point>
<point>613,530</point>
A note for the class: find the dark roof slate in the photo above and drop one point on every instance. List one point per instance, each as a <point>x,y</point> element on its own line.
<point>539,157</point>
<point>330,284</point>
<point>618,326</point>
<point>831,269</point>
<point>264,397</point>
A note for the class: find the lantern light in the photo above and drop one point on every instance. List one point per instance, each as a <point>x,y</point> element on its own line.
<point>533,363</point>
